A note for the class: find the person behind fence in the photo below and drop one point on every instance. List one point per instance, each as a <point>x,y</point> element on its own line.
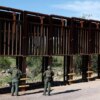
<point>48,78</point>
<point>16,74</point>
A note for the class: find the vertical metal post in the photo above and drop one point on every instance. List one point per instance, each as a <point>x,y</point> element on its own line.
<point>65,69</point>
<point>70,69</point>
<point>62,36</point>
<point>50,38</point>
<point>86,68</point>
<point>45,62</point>
<point>41,49</point>
<point>0,37</point>
<point>13,33</point>
<point>90,71</point>
<point>5,35</point>
<point>21,64</point>
<point>98,66</point>
<point>25,35</point>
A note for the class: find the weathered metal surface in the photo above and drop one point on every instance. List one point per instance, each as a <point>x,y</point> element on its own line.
<point>10,32</point>
<point>24,33</point>
<point>61,35</point>
<point>98,67</point>
<point>70,69</point>
<point>87,68</point>
<point>37,32</point>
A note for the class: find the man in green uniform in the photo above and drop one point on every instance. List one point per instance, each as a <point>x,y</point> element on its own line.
<point>16,74</point>
<point>48,78</point>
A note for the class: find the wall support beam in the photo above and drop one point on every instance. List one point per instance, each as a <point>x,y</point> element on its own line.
<point>65,69</point>
<point>98,69</point>
<point>69,69</point>
<point>86,68</point>
<point>46,60</point>
<point>21,64</point>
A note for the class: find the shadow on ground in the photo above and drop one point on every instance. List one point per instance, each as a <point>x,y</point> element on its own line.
<point>66,91</point>
<point>57,93</point>
<point>40,85</point>
<point>40,91</point>
<point>32,86</point>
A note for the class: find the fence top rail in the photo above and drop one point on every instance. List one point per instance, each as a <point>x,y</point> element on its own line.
<point>60,17</point>
<point>79,19</point>
<point>88,20</point>
<point>36,14</point>
<point>95,21</point>
<point>10,9</point>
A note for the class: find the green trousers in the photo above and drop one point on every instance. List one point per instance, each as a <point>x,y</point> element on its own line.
<point>47,87</point>
<point>14,88</point>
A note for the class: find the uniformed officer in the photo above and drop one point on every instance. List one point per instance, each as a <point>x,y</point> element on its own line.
<point>16,74</point>
<point>48,78</point>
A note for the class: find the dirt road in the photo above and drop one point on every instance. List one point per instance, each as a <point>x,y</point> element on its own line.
<point>80,91</point>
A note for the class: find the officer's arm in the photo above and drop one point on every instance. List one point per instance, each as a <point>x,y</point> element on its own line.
<point>9,71</point>
<point>44,73</point>
<point>20,72</point>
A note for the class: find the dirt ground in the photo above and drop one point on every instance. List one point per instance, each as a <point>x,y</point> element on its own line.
<point>80,91</point>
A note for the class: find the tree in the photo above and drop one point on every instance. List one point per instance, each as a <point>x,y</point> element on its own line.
<point>86,16</point>
<point>4,63</point>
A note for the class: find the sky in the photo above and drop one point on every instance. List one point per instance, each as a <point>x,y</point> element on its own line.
<point>69,8</point>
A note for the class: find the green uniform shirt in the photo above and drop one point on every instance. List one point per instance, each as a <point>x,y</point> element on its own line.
<point>48,74</point>
<point>16,73</point>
